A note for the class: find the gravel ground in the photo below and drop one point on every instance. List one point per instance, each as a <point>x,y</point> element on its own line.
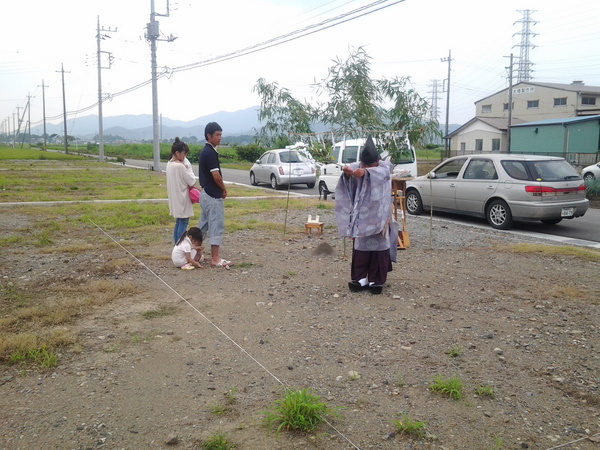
<point>229,341</point>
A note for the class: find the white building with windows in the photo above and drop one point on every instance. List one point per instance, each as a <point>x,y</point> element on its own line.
<point>487,131</point>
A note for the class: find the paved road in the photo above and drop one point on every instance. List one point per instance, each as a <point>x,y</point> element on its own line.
<point>577,231</point>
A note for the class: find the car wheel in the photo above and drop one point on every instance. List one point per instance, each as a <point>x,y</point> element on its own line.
<point>274,183</point>
<point>253,179</point>
<point>499,216</point>
<point>310,185</point>
<point>414,204</point>
<point>551,221</point>
<point>589,177</point>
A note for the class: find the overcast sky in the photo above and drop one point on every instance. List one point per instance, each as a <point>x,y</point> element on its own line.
<point>405,38</point>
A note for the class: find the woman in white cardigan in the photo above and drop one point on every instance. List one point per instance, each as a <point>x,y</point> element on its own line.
<point>179,180</point>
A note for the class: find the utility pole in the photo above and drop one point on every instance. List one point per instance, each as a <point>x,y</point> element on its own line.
<point>62,70</point>
<point>15,128</point>
<point>29,117</point>
<point>152,35</point>
<point>447,141</point>
<point>20,120</point>
<point>43,86</point>
<point>99,37</point>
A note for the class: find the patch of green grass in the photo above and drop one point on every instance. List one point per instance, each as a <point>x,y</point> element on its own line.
<point>299,410</point>
<point>498,441</point>
<point>111,348</point>
<point>29,154</point>
<point>162,311</point>
<point>451,387</point>
<point>12,297</point>
<point>230,396</point>
<point>43,239</point>
<point>485,391</point>
<point>42,356</point>
<point>408,426</point>
<point>11,240</point>
<point>217,442</point>
<point>455,351</point>
<point>217,409</point>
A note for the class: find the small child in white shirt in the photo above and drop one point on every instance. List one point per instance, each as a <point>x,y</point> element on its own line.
<point>187,253</point>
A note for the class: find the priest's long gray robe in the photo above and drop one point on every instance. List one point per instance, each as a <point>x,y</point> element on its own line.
<point>363,209</point>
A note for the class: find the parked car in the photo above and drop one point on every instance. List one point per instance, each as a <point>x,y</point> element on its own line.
<point>283,167</point>
<point>591,173</point>
<point>501,188</point>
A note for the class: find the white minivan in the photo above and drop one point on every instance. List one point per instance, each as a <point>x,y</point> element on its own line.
<point>348,151</point>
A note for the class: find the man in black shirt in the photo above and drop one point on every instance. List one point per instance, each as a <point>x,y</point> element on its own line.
<point>212,217</point>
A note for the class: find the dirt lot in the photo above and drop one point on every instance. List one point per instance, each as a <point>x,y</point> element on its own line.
<point>224,343</point>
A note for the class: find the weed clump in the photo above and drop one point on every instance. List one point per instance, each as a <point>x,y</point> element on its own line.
<point>298,410</point>
<point>452,387</point>
<point>409,426</point>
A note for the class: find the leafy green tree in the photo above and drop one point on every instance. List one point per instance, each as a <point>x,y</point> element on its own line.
<point>356,106</point>
<point>282,113</point>
<point>353,97</point>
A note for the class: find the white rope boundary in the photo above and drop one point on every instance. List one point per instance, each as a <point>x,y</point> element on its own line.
<point>216,327</point>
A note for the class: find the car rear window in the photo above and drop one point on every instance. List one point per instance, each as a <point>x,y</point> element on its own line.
<point>552,170</point>
<point>545,170</point>
<point>289,157</point>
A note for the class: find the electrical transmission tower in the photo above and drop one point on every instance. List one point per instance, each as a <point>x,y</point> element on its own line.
<point>435,112</point>
<point>524,69</point>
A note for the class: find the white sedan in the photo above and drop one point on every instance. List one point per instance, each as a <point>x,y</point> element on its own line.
<point>591,173</point>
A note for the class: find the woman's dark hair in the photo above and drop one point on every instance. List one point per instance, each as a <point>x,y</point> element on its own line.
<point>193,232</point>
<point>210,128</point>
<point>179,146</point>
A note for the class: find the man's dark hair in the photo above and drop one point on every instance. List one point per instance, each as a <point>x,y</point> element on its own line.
<point>211,128</point>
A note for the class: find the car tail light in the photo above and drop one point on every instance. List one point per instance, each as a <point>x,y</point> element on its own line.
<point>312,170</point>
<point>548,191</point>
<point>281,171</point>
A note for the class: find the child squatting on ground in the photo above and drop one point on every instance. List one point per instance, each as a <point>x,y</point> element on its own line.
<point>187,252</point>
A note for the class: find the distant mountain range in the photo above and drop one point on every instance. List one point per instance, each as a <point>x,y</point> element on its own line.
<point>139,127</point>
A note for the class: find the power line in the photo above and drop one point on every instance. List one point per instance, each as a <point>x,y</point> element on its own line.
<point>306,31</point>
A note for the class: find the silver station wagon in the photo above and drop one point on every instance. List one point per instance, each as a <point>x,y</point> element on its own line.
<point>502,188</point>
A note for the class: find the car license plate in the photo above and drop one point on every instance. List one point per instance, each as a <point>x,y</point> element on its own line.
<point>566,212</point>
<point>298,171</point>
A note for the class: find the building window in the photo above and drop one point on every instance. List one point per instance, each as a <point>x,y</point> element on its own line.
<point>505,106</point>
<point>495,145</point>
<point>463,146</point>
<point>486,109</point>
<point>588,101</point>
<point>560,101</point>
<point>478,145</point>
<point>533,104</point>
